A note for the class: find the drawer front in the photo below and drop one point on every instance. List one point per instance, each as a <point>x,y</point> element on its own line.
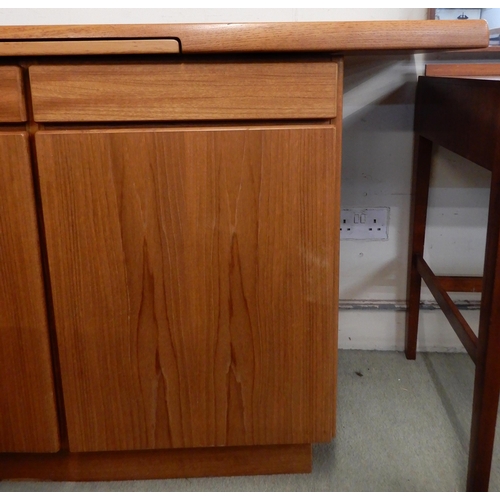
<point>12,108</point>
<point>184,91</point>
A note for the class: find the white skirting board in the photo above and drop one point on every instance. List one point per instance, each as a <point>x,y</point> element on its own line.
<point>383,329</point>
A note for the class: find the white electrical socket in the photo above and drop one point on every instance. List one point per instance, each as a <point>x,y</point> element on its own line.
<point>364,223</point>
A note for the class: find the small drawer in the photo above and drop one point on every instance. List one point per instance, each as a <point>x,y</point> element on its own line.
<point>12,107</point>
<point>184,91</point>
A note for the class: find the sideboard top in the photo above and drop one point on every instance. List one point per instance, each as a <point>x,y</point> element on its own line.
<point>345,36</point>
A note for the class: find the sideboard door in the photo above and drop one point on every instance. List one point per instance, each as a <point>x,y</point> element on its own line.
<point>194,279</point>
<point>28,418</point>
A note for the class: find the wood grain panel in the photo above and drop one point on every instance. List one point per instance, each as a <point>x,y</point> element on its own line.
<point>158,464</point>
<point>194,282</point>
<point>280,37</point>
<point>79,47</point>
<point>28,421</point>
<point>184,91</point>
<point>12,107</point>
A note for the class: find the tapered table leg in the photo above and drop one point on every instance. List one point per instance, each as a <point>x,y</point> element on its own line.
<point>487,377</point>
<point>420,196</point>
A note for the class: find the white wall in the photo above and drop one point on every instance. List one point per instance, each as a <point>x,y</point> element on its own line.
<point>377,155</point>
<point>492,16</point>
<point>196,15</point>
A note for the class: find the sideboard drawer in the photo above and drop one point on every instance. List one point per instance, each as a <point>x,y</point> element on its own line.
<point>12,108</point>
<point>184,91</point>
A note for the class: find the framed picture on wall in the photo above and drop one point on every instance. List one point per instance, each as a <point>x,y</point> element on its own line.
<point>492,16</point>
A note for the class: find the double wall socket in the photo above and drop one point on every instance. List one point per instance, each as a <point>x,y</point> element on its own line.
<point>364,224</point>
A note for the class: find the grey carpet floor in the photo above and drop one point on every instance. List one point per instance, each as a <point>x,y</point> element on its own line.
<point>401,426</point>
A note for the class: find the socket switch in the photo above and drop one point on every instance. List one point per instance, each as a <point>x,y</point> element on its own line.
<point>364,223</point>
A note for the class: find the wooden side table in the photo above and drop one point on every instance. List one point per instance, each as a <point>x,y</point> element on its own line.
<point>458,108</point>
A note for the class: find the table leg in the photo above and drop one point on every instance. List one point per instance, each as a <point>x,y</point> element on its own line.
<point>487,377</point>
<point>420,195</point>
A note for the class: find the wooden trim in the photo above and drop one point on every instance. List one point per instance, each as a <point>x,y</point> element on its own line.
<point>278,37</point>
<point>461,283</point>
<point>158,464</point>
<point>490,51</point>
<point>336,202</point>
<point>463,70</point>
<point>84,47</point>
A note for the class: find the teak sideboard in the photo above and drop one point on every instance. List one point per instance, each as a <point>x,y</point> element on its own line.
<point>169,237</point>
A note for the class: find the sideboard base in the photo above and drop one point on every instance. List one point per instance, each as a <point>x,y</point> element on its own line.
<point>157,464</point>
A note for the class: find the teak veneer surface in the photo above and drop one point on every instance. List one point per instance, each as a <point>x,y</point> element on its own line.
<point>184,91</point>
<point>28,421</point>
<point>278,37</point>
<point>194,284</point>
<point>12,107</point>
<point>81,47</point>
